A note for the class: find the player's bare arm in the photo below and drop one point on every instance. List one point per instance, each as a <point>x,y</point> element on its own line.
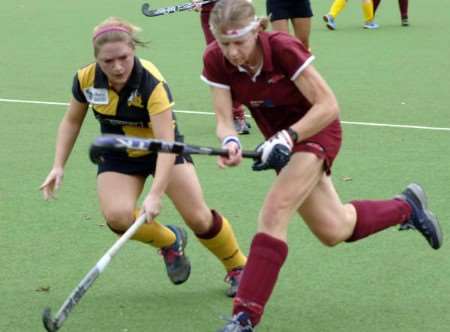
<point>225,131</point>
<point>324,109</point>
<point>162,125</point>
<point>67,134</point>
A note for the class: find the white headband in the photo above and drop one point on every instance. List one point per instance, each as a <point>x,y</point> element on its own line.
<point>237,33</point>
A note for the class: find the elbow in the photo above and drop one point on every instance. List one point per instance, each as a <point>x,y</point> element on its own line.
<point>336,110</point>
<point>333,109</point>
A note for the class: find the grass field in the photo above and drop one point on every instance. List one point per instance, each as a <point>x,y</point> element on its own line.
<point>394,77</point>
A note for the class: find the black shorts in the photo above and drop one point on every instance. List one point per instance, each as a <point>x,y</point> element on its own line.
<point>287,9</point>
<point>143,166</point>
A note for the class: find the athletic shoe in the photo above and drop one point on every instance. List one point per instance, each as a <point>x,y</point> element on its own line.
<point>233,279</point>
<point>329,20</point>
<point>241,126</point>
<point>405,22</point>
<point>239,323</point>
<point>421,218</point>
<point>177,264</point>
<point>371,25</point>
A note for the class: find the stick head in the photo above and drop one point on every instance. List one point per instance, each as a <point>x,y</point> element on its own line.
<point>107,143</point>
<point>49,322</point>
<point>152,12</point>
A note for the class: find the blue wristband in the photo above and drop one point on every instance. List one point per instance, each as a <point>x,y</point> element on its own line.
<point>231,138</point>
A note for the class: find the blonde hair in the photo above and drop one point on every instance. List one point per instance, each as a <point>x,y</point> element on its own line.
<point>233,14</point>
<point>115,29</point>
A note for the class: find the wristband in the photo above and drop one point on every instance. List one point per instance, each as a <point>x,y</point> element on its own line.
<point>293,134</point>
<point>231,138</point>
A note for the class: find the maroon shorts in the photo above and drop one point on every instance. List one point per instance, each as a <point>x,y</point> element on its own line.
<point>325,144</point>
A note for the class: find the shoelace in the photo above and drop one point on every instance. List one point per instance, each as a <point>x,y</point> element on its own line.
<point>235,323</point>
<point>170,254</point>
<point>231,320</point>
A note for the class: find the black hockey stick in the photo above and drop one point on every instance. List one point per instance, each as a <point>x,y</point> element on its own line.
<point>116,143</point>
<point>53,324</point>
<point>171,9</point>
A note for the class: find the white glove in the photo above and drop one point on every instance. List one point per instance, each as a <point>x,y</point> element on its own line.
<point>275,152</point>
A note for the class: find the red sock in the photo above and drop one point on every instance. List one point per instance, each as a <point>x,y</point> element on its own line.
<point>403,5</point>
<point>267,255</point>
<point>374,216</point>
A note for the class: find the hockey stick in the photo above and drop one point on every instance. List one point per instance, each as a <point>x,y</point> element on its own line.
<point>117,143</point>
<point>54,324</point>
<point>172,9</point>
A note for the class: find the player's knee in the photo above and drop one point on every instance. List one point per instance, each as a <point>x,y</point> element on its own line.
<point>330,241</point>
<point>276,209</point>
<point>331,236</point>
<point>119,219</point>
<point>198,219</point>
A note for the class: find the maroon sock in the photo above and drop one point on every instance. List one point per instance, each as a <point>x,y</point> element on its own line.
<point>238,111</point>
<point>375,5</point>
<point>204,20</point>
<point>267,255</point>
<point>216,226</point>
<point>374,216</point>
<point>403,5</point>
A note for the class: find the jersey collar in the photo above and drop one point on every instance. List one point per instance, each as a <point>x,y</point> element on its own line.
<point>101,81</point>
<point>263,39</point>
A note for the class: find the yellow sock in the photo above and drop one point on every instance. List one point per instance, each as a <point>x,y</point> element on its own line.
<point>155,234</point>
<point>367,8</point>
<point>225,247</point>
<point>337,7</point>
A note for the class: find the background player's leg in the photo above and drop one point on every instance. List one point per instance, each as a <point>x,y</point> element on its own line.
<point>204,21</point>
<point>403,6</point>
<point>335,9</point>
<point>376,3</point>
<point>280,25</point>
<point>302,29</point>
<point>367,9</point>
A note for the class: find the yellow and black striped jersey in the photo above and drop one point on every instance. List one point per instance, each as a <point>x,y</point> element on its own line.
<point>127,112</point>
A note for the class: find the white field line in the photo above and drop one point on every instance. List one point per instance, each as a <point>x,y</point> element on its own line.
<point>18,101</point>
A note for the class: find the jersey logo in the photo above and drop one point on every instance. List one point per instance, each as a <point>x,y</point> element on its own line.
<point>135,99</point>
<point>262,103</point>
<point>96,96</point>
<point>256,103</point>
<point>275,78</point>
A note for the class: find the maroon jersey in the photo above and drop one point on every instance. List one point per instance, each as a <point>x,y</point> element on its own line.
<point>271,95</point>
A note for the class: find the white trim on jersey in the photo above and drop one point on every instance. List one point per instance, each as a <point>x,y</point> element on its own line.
<point>214,84</point>
<point>302,67</point>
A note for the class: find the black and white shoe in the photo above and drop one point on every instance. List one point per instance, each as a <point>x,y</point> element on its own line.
<point>421,219</point>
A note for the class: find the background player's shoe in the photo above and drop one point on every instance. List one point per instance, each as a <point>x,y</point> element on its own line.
<point>421,218</point>
<point>405,22</point>
<point>241,126</point>
<point>177,264</point>
<point>233,279</point>
<point>239,323</point>
<point>329,20</point>
<point>371,25</point>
